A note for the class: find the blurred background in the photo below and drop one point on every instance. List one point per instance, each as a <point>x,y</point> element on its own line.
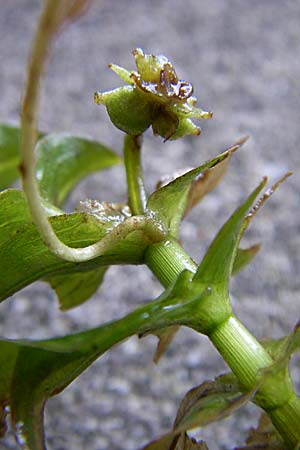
<point>243,60</point>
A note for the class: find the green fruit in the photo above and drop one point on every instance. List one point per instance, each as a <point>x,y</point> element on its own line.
<point>128,109</point>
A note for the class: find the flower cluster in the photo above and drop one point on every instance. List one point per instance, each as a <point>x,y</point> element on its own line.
<point>154,96</point>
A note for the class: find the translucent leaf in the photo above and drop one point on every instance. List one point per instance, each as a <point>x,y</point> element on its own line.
<point>209,179</point>
<point>63,160</point>
<point>76,288</point>
<point>243,257</point>
<point>204,183</point>
<point>204,404</point>
<point>165,337</point>
<point>24,257</point>
<point>169,202</point>
<point>264,437</point>
<point>211,401</point>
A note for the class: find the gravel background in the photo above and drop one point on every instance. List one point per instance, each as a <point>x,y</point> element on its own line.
<point>243,59</point>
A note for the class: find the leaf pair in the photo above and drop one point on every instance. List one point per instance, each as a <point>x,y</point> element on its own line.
<point>34,371</point>
<point>222,259</point>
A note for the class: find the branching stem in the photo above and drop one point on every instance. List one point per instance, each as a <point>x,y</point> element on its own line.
<point>246,357</point>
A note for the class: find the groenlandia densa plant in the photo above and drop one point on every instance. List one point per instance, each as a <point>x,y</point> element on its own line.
<point>72,252</point>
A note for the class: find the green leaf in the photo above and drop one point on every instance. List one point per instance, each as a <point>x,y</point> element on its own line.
<point>33,371</point>
<point>63,160</point>
<point>216,266</point>
<point>168,203</point>
<point>76,288</point>
<point>204,404</point>
<point>24,257</point>
<point>9,155</point>
<point>243,257</point>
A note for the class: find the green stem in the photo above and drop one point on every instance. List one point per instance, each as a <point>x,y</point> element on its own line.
<point>246,357</point>
<point>286,420</point>
<point>134,173</point>
<point>167,260</point>
<point>242,352</point>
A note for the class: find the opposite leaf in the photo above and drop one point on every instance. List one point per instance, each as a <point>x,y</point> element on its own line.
<point>63,160</point>
<point>169,202</point>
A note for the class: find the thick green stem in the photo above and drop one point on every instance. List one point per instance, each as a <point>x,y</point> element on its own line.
<point>242,352</point>
<point>167,260</point>
<point>134,173</point>
<point>247,358</point>
<point>286,420</point>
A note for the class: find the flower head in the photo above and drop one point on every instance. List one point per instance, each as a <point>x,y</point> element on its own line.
<point>154,96</point>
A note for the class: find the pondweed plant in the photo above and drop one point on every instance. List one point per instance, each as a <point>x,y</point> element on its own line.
<point>38,241</point>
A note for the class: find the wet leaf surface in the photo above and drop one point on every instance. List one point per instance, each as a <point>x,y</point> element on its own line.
<point>24,257</point>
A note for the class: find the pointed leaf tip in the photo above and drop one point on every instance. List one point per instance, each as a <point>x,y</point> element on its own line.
<point>168,203</point>
<point>216,266</point>
<point>266,195</point>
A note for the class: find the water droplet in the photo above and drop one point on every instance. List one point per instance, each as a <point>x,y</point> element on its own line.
<point>169,307</point>
<point>145,316</point>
